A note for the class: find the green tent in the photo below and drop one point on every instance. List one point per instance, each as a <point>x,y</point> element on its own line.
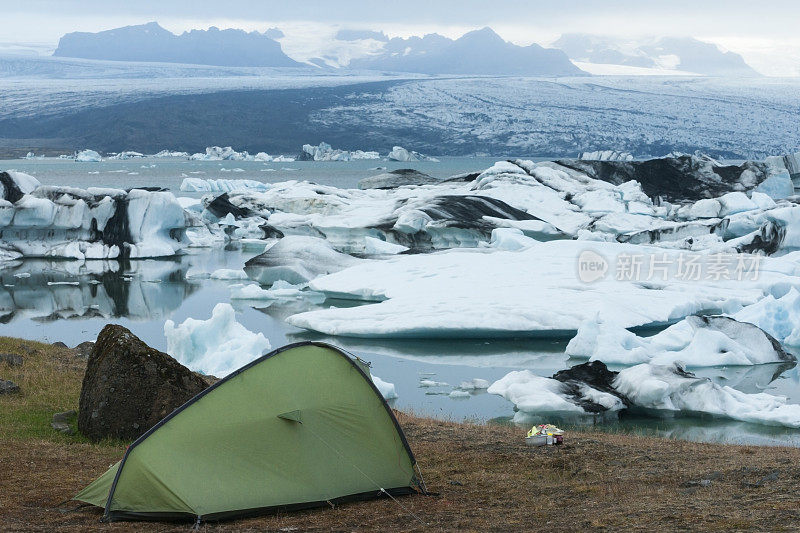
<point>300,427</point>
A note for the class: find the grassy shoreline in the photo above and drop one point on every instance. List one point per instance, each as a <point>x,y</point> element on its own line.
<point>484,477</point>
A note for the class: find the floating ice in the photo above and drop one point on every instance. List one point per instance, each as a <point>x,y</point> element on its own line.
<point>386,389</point>
<point>373,246</point>
<point>474,384</point>
<point>399,153</point>
<point>607,155</point>
<point>694,342</point>
<point>659,389</point>
<point>170,153</point>
<point>668,388</point>
<point>88,156</point>
<point>221,185</point>
<point>324,152</point>
<point>297,259</point>
<point>280,290</point>
<point>535,291</point>
<point>126,155</point>
<point>216,346</point>
<point>228,274</point>
<point>96,223</point>
<point>780,317</point>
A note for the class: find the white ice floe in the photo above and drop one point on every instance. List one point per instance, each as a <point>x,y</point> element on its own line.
<point>297,259</point>
<point>228,274</point>
<point>217,153</point>
<point>216,346</point>
<point>221,185</point>
<point>510,239</point>
<point>666,388</point>
<point>324,152</point>
<point>694,342</point>
<point>607,155</point>
<point>386,389</point>
<point>474,384</point>
<point>88,156</point>
<point>780,317</point>
<point>533,395</point>
<point>427,383</point>
<point>122,156</point>
<point>658,389</point>
<point>373,246</point>
<point>95,223</point>
<point>280,290</point>
<point>547,200</point>
<point>535,291</point>
<point>399,153</point>
<point>170,153</point>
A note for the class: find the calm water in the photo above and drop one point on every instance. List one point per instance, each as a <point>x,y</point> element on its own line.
<point>70,302</point>
<point>170,172</point>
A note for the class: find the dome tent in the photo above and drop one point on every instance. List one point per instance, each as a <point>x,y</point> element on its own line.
<point>299,427</point>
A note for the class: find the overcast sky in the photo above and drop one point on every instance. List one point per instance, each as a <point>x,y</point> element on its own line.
<point>765,33</point>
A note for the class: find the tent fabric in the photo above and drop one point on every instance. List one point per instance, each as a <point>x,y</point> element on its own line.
<point>301,426</point>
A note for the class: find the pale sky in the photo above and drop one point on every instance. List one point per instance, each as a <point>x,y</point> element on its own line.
<point>765,33</point>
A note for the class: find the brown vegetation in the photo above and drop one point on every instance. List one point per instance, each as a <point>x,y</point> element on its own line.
<point>483,476</point>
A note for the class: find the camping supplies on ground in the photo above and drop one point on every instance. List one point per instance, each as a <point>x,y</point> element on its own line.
<point>544,434</point>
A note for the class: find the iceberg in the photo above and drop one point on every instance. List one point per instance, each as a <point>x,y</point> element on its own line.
<point>228,274</point>
<point>780,317</point>
<point>170,153</point>
<point>126,155</point>
<point>398,153</point>
<point>386,389</point>
<point>606,155</point>
<point>221,185</point>
<point>297,259</point>
<point>216,346</point>
<point>547,200</point>
<point>280,290</point>
<point>324,152</point>
<point>95,223</point>
<point>696,341</point>
<point>535,291</point>
<point>591,389</point>
<point>88,156</point>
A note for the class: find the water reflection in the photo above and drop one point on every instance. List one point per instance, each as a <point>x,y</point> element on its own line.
<point>42,299</point>
<point>44,290</point>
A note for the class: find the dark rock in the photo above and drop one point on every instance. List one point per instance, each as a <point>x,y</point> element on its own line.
<point>773,476</point>
<point>11,359</point>
<point>62,427</point>
<point>8,387</point>
<point>9,190</point>
<point>59,344</point>
<point>221,206</point>
<point>397,178</point>
<point>128,386</point>
<point>66,416</point>
<point>61,422</point>
<point>83,349</point>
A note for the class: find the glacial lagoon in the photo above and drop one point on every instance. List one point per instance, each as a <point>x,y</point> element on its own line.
<point>70,301</point>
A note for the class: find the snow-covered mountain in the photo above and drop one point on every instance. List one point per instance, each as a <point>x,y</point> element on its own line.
<point>151,42</point>
<point>477,52</point>
<point>669,53</point>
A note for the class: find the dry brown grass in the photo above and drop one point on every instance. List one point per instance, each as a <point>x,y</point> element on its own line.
<point>485,478</point>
